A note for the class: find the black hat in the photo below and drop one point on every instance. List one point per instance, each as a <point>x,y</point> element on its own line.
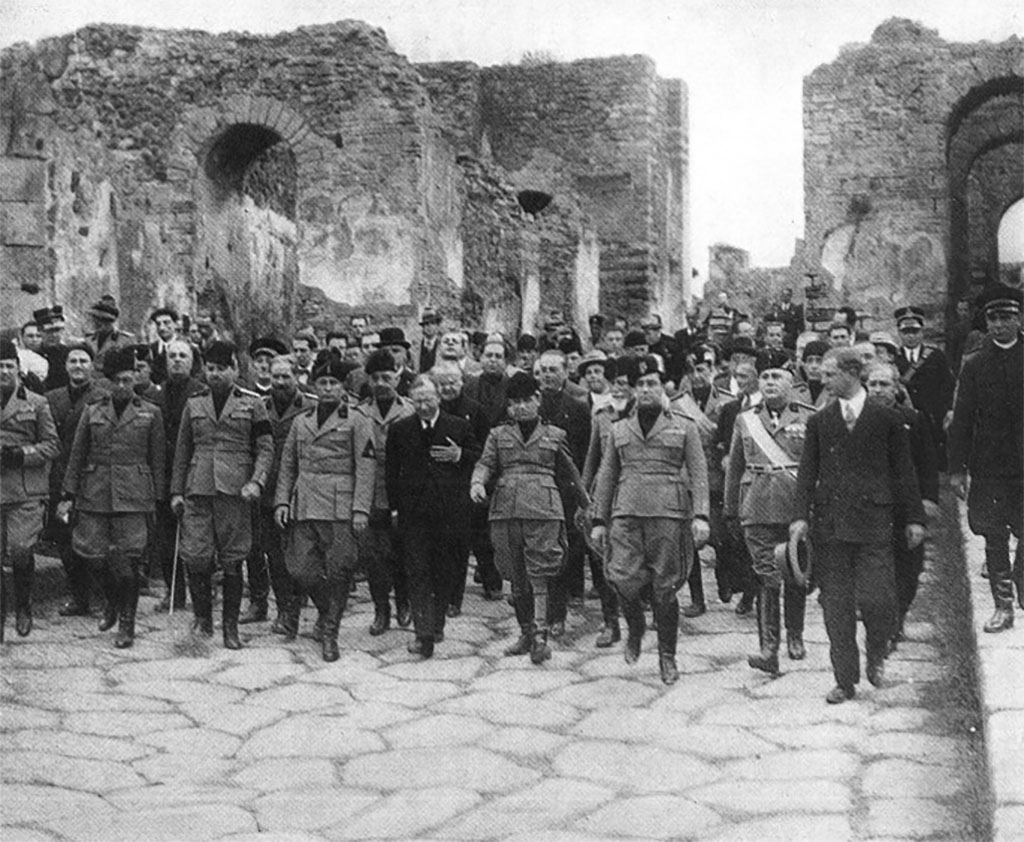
<point>1000,298</point>
<point>815,348</point>
<point>42,316</point>
<point>555,318</point>
<point>705,354</point>
<point>142,353</point>
<point>163,311</point>
<point>912,315</point>
<point>221,353</point>
<point>84,347</point>
<point>597,320</point>
<point>8,350</point>
<point>332,365</point>
<point>526,342</point>
<point>267,345</point>
<point>522,386</point>
<point>430,316</point>
<point>634,338</point>
<point>740,345</point>
<point>105,309</point>
<point>651,322</point>
<point>627,367</point>
<point>650,364</point>
<point>55,320</point>
<point>794,560</point>
<point>570,345</point>
<point>117,360</point>
<point>380,360</point>
<point>393,336</point>
<point>771,358</point>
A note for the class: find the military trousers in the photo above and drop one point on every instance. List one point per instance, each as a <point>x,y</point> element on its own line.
<point>528,549</point>
<point>320,551</point>
<point>655,551</point>
<point>220,527</point>
<point>99,534</point>
<point>20,525</point>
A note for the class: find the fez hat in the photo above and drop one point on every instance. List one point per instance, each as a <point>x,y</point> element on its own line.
<point>1001,299</point>
<point>597,357</point>
<point>815,348</point>
<point>105,309</point>
<point>793,559</point>
<point>430,316</point>
<point>522,386</point>
<point>597,320</point>
<point>8,350</point>
<point>649,364</point>
<point>634,338</point>
<point>526,342</point>
<point>117,360</point>
<point>42,316</point>
<point>142,353</point>
<point>331,364</point>
<point>393,336</point>
<point>380,360</point>
<point>909,315</point>
<point>221,353</point>
<point>740,345</point>
<point>267,345</point>
<point>771,358</point>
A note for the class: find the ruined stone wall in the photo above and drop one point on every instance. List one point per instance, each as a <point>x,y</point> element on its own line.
<point>892,130</point>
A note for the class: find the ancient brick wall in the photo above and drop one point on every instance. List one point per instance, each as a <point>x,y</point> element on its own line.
<point>892,130</point>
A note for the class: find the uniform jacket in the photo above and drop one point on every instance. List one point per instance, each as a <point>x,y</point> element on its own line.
<point>600,429</point>
<point>930,382</point>
<point>706,419</point>
<point>117,339</point>
<point>755,491</point>
<point>662,474</point>
<point>280,424</point>
<point>27,422</point>
<point>850,482</point>
<point>220,455</point>
<point>327,472</point>
<point>67,410</point>
<point>117,464</point>
<point>171,400</point>
<point>379,427</point>
<point>531,477</point>
<point>986,435</point>
<point>419,487</point>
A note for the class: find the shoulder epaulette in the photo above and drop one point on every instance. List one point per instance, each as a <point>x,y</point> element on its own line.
<point>248,392</point>
<point>679,413</point>
<point>200,392</point>
<point>97,397</point>
<point>795,405</point>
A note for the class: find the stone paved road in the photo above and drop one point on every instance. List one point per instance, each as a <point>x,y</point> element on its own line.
<point>157,744</point>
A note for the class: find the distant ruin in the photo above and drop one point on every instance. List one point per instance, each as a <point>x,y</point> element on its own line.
<point>314,174</point>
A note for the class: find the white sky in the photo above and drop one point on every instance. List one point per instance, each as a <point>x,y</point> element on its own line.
<point>743,62</point>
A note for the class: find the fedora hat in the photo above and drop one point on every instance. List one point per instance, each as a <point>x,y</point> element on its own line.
<point>793,558</point>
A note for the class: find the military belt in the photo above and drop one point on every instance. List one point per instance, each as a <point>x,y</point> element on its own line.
<point>772,469</point>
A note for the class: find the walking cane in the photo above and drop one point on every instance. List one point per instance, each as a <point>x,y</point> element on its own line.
<point>174,569</point>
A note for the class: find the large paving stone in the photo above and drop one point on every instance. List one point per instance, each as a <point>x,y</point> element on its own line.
<point>632,768</point>
<point>181,794</point>
<point>459,767</point>
<point>35,803</point>
<point>183,690</point>
<point>795,765</point>
<point>198,742</point>
<point>240,719</point>
<point>1004,680</point>
<point>822,735</point>
<point>413,694</point>
<point>164,669</point>
<point>409,814</point>
<point>75,745</point>
<point>775,796</point>
<point>512,709</point>
<point>912,818</point>
<point>695,696</point>
<point>806,828</point>
<point>309,736</point>
<point>550,803</point>
<point>526,682</point>
<point>286,773</point>
<point>440,730</point>
<point>303,697</point>
<point>14,717</point>
<point>36,654</point>
<point>898,719</point>
<point>883,778</point>
<point>436,669</point>
<point>109,701</point>
<point>30,684</point>
<point>257,676</point>
<point>804,684</point>
<point>310,808</point>
<point>603,693</point>
<point>651,817</point>
<point>116,724</point>
<point>523,742</point>
<point>171,824</point>
<point>68,772</point>
<point>609,662</point>
<point>183,769</point>
<point>924,748</point>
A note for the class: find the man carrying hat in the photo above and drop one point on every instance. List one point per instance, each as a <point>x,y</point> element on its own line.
<point>651,512</point>
<point>430,326</point>
<point>106,335</point>
<point>221,462</point>
<point>760,484</point>
<point>985,441</point>
<point>926,374</point>
<point>28,442</point>
<point>114,477</point>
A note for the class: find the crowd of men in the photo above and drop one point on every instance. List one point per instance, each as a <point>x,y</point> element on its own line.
<point>805,459</point>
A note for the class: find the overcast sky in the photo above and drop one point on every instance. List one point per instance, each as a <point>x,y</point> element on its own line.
<point>743,61</point>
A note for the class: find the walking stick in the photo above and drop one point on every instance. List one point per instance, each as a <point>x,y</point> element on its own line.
<point>174,568</point>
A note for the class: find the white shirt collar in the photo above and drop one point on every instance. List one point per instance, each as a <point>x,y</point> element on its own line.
<point>432,422</point>
<point>856,403</point>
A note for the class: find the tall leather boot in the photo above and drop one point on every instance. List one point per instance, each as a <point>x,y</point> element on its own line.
<point>667,617</point>
<point>79,584</point>
<point>794,600</point>
<point>287,622</point>
<point>129,604</point>
<point>232,603</point>
<point>767,660</point>
<point>199,585</point>
<point>22,575</point>
<point>112,595</point>
<point>337,597</point>
<point>634,614</point>
<point>1002,618</point>
<point>524,616</point>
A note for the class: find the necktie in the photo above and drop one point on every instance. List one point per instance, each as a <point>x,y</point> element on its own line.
<point>774,420</point>
<point>850,417</point>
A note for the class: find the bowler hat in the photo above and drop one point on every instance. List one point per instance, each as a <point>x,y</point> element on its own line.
<point>393,336</point>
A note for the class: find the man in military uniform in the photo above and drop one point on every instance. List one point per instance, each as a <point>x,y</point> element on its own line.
<point>379,545</point>
<point>767,442</point>
<point>651,507</point>
<point>115,474</point>
<point>925,372</point>
<point>985,441</point>
<point>66,405</point>
<point>28,442</point>
<point>324,493</point>
<point>105,335</point>
<point>224,453</point>
<point>532,471</point>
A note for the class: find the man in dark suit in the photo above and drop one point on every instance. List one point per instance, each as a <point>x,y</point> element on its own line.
<point>165,321</point>
<point>926,374</point>
<point>489,388</point>
<point>430,323</point>
<point>790,315</point>
<point>855,474</point>
<point>428,461</point>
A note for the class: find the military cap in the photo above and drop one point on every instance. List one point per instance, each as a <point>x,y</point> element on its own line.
<point>634,338</point>
<point>909,315</point>
<point>522,386</point>
<point>42,316</point>
<point>649,364</point>
<point>380,360</point>
<point>526,342</point>
<point>430,316</point>
<point>1001,299</point>
<point>771,358</point>
<point>332,365</point>
<point>629,368</point>
<point>118,360</point>
<point>221,353</point>
<point>554,319</point>
<point>55,320</point>
<point>740,345</point>
<point>105,309</point>
<point>815,348</point>
<point>267,345</point>
<point>8,350</point>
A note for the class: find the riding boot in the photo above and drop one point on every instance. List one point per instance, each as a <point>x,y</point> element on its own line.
<point>1002,618</point>
<point>199,586</point>
<point>794,600</point>
<point>767,660</point>
<point>698,605</point>
<point>524,616</point>
<point>667,617</point>
<point>634,615</point>
<point>337,598</point>
<point>112,594</point>
<point>232,603</point>
<point>287,622</point>
<point>129,604</point>
<point>79,584</point>
<point>22,575</point>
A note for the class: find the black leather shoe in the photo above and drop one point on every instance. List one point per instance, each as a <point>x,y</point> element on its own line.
<point>381,623</point>
<point>492,595</point>
<point>839,694</point>
<point>109,618</point>
<point>609,634</point>
<point>73,608</point>
<point>203,626</point>
<point>329,649</point>
<point>746,605</point>
<point>422,646</point>
<point>695,609</point>
<point>633,644</point>
<point>539,649</point>
<point>521,646</point>
<point>875,670</point>
<point>23,622</point>
<point>795,646</point>
<point>668,668</point>
<point>403,616</point>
